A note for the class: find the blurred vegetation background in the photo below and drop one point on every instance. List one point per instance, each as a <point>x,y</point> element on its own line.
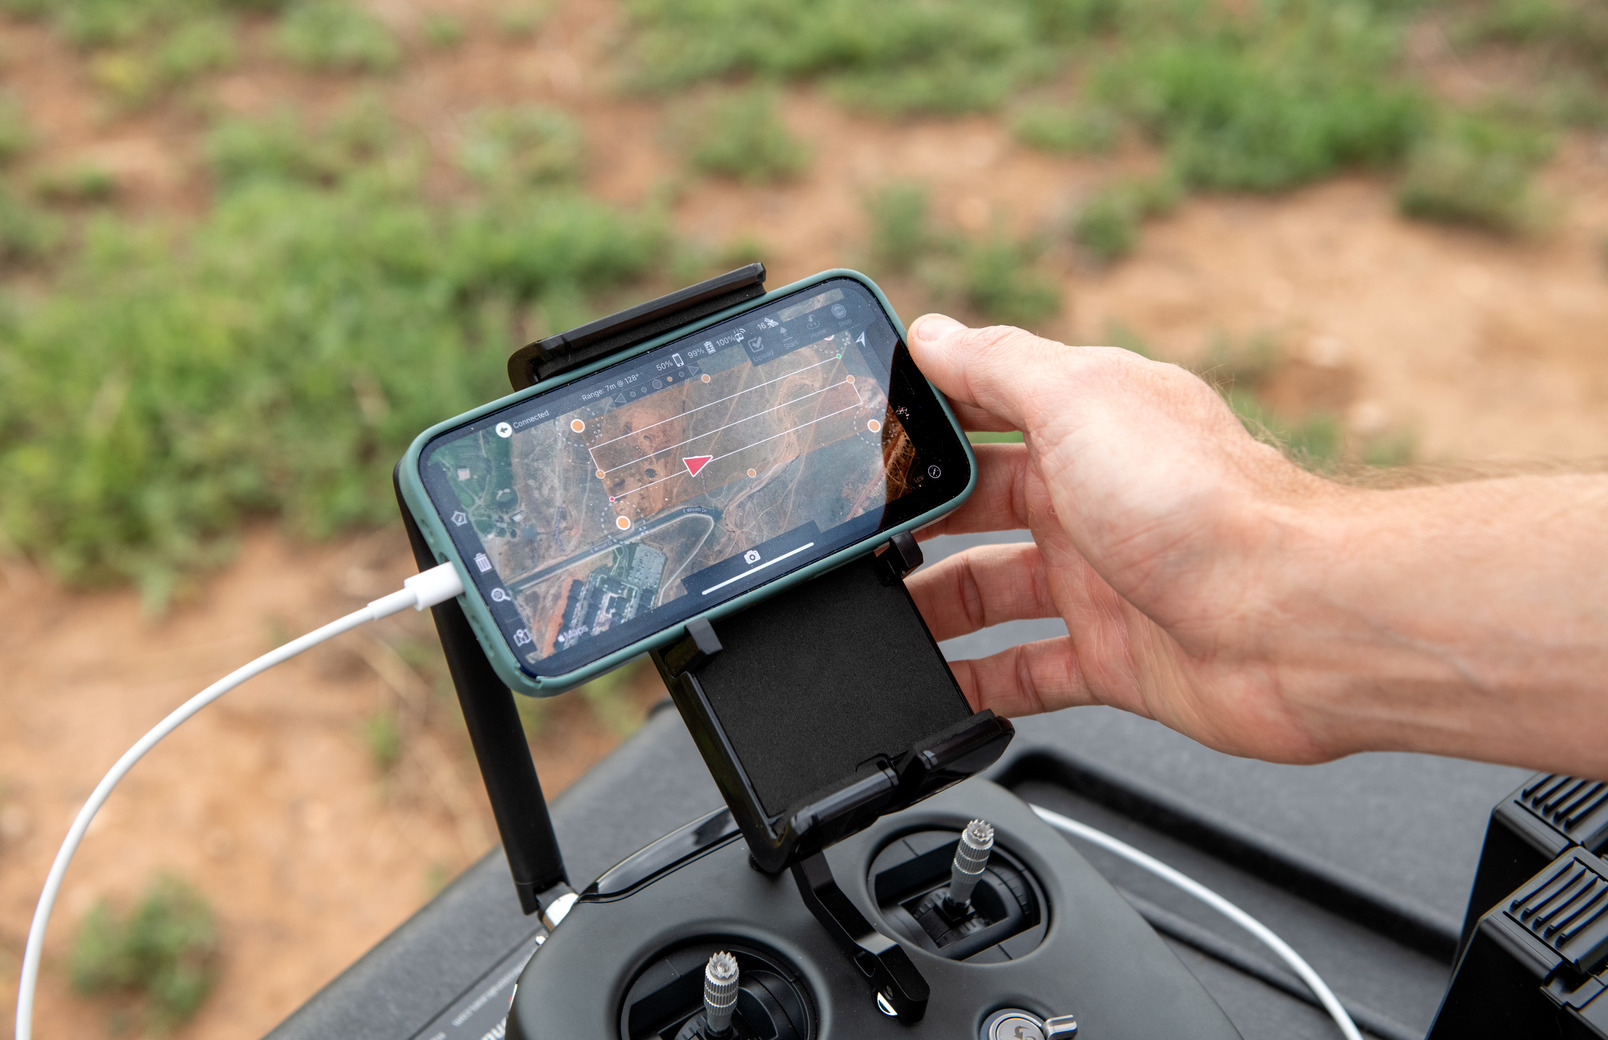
<point>164,378</point>
<point>353,246</point>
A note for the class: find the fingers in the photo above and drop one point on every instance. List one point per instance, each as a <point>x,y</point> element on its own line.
<point>991,375</point>
<point>1026,679</point>
<point>983,586</point>
<point>999,502</point>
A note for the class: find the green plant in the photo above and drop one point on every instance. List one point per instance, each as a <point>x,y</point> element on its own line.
<point>26,234</point>
<point>520,20</point>
<point>382,736</point>
<point>335,35</point>
<point>275,358</point>
<point>1079,129</point>
<point>1108,224</point>
<point>359,140</point>
<point>522,146</point>
<point>442,31</point>
<point>744,136</point>
<point>195,47</point>
<point>1476,171</point>
<point>900,230</point>
<point>165,950</point>
<point>15,134</point>
<point>1574,30</point>
<point>1293,91</point>
<point>1003,285</point>
<point>893,56</point>
<point>77,184</point>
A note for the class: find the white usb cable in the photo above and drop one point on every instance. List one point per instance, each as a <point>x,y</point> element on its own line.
<point>423,590</point>
<point>1262,932</point>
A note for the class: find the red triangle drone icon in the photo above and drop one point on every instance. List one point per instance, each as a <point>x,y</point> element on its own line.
<point>696,463</point>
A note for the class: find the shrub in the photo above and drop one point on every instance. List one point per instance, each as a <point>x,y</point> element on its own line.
<point>442,31</point>
<point>276,359</point>
<point>360,139</point>
<point>1003,285</point>
<point>744,136</point>
<point>197,46</point>
<point>1080,129</point>
<point>900,230</point>
<point>15,134</point>
<point>1476,171</point>
<point>165,950</point>
<point>76,184</point>
<point>522,146</point>
<point>1108,224</point>
<point>1304,90</point>
<point>334,35</point>
<point>894,56</point>
<point>26,234</point>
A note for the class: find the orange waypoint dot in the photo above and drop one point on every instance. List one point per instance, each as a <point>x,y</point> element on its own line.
<point>577,425</point>
<point>623,523</point>
<point>849,377</point>
<point>873,426</point>
<point>696,463</point>
<point>704,378</point>
<point>600,474</point>
<point>753,472</point>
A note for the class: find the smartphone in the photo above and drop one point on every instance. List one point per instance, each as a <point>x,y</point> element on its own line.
<point>593,514</point>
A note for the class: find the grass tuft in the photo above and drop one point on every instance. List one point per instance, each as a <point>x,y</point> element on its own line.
<point>1477,171</point>
<point>1108,224</point>
<point>1078,129</point>
<point>900,230</point>
<point>16,136</point>
<point>519,147</point>
<point>999,277</point>
<point>743,135</point>
<point>165,950</point>
<point>442,31</point>
<point>274,359</point>
<point>1003,284</point>
<point>1292,92</point>
<point>27,234</point>
<point>336,36</point>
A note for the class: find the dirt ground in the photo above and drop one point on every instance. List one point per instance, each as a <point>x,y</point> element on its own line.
<point>271,801</point>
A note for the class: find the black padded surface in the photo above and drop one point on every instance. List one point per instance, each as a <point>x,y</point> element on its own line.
<point>810,689</point>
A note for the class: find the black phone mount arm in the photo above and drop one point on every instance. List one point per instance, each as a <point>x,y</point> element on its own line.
<point>506,767</point>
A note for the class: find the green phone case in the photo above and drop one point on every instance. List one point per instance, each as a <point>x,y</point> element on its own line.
<point>486,631</point>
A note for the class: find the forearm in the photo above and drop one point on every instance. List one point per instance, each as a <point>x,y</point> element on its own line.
<point>1467,619</point>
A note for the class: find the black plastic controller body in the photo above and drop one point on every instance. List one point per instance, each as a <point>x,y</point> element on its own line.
<point>627,960</point>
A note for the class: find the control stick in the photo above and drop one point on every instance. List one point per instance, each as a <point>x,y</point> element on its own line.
<point>971,859</point>
<point>720,994</point>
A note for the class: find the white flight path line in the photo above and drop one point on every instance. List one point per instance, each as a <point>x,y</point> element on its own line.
<point>757,567</point>
<point>738,422</point>
<point>729,454</point>
<point>711,404</point>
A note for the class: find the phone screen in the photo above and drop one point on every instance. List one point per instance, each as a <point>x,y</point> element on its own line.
<point>642,495</point>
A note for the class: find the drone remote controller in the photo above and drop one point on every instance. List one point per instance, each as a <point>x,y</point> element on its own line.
<point>1015,935</point>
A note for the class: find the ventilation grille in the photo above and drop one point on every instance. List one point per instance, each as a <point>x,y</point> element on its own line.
<point>1566,907</point>
<point>1564,801</point>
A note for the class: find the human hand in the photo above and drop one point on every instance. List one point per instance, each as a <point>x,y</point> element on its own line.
<point>1158,527</point>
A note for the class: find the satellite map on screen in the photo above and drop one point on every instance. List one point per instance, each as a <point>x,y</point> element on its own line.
<point>604,512</point>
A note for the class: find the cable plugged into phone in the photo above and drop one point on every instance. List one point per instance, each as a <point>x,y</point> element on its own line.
<point>426,589</point>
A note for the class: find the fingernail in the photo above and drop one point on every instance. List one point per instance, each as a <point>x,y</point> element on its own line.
<point>930,328</point>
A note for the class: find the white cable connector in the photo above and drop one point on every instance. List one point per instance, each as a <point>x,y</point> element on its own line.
<point>423,590</point>
<point>1262,932</point>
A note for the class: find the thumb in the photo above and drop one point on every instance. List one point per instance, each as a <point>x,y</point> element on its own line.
<point>993,369</point>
